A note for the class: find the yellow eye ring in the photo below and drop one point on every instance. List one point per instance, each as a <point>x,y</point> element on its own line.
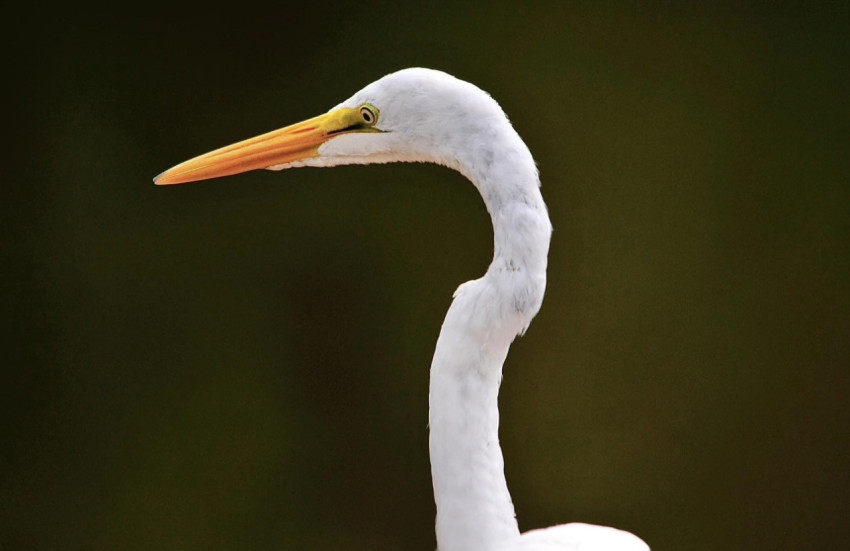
<point>368,114</point>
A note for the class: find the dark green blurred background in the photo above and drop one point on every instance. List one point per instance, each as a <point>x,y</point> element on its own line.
<point>243,363</point>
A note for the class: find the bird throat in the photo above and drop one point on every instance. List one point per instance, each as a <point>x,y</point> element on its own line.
<point>474,507</point>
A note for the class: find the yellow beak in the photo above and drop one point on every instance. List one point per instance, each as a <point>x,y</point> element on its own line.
<point>293,143</point>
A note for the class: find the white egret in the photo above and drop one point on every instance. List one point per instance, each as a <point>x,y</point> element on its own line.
<point>429,116</point>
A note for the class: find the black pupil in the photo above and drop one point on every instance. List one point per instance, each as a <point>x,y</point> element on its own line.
<point>367,116</point>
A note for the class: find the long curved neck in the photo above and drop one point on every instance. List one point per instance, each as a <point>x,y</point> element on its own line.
<point>474,508</point>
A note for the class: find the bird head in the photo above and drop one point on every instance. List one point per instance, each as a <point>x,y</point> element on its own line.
<point>410,115</point>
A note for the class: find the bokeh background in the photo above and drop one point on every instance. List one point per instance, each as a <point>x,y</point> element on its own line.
<point>243,363</point>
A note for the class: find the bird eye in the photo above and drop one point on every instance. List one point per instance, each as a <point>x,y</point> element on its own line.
<point>368,114</point>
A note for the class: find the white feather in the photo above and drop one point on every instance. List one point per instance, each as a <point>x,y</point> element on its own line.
<point>429,116</point>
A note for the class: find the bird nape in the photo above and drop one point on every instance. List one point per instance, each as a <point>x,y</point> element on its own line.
<point>429,116</point>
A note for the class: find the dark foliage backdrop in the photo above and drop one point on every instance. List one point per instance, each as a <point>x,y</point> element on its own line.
<point>243,363</point>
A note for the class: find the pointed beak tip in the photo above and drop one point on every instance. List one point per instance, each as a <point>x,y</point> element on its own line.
<point>161,179</point>
<point>167,179</point>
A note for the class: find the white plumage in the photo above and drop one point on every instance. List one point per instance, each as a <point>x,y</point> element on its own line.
<point>423,115</point>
